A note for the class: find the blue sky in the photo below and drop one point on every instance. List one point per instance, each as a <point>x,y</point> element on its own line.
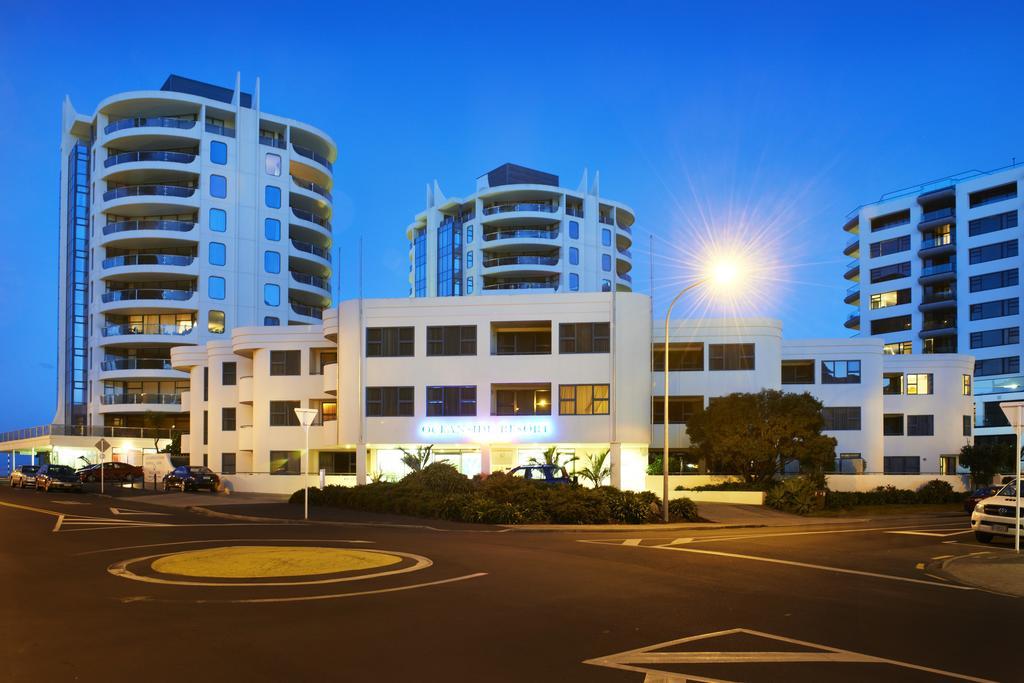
<point>702,116</point>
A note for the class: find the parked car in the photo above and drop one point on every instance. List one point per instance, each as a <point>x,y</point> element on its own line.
<point>995,515</point>
<point>547,474</point>
<point>24,476</point>
<point>60,477</point>
<point>979,494</point>
<point>191,478</point>
<point>112,471</point>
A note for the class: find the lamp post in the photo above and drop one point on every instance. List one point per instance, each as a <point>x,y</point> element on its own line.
<point>306,417</point>
<point>1014,411</point>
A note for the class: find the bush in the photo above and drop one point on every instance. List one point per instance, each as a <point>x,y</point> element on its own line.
<point>440,491</point>
<point>683,510</point>
<point>799,495</point>
<point>937,491</point>
<point>724,486</point>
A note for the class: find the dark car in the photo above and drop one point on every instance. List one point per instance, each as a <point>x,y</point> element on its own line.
<point>112,471</point>
<point>979,494</point>
<point>191,478</point>
<point>59,477</point>
<point>24,475</point>
<point>546,474</point>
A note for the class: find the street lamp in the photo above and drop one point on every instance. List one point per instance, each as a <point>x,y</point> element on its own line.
<point>1014,411</point>
<point>720,274</point>
<point>306,417</point>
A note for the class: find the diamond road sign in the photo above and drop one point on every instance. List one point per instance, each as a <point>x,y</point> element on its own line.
<point>102,445</point>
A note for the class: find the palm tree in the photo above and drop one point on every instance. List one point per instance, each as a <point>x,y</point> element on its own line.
<point>418,460</point>
<point>596,470</point>
<point>553,457</point>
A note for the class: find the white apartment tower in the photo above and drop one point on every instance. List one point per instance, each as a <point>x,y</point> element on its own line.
<point>185,212</point>
<point>520,231</point>
<point>937,270</point>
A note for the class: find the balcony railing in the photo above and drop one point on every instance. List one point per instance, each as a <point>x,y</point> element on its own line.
<point>313,187</point>
<point>521,261</point>
<point>852,289</point>
<point>89,430</point>
<point>152,122</point>
<point>310,311</point>
<point>939,269</point>
<point>279,143</point>
<point>148,295</point>
<point>552,284</point>
<point>998,386</point>
<point>133,328</point>
<point>942,324</point>
<point>311,217</point>
<point>143,190</point>
<point>127,226</point>
<point>218,129</point>
<point>937,297</point>
<point>939,241</point>
<point>312,280</point>
<point>137,399</point>
<point>606,219</point>
<point>626,229</point>
<point>936,214</point>
<point>128,157</point>
<point>310,154</point>
<point>148,260</point>
<point>136,364</point>
<point>851,242</point>
<point>506,207</point>
<point>626,277</point>
<point>626,252</point>
<point>315,249</point>
<point>853,316</point>
<point>520,234</point>
<point>576,212</point>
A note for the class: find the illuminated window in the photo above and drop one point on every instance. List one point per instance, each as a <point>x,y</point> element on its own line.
<point>967,385</point>
<point>898,348</point>
<point>919,384</point>
<point>273,164</point>
<point>893,298</point>
<point>215,323</point>
<point>583,399</point>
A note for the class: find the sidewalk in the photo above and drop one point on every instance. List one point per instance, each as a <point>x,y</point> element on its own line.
<point>177,499</point>
<point>997,571</point>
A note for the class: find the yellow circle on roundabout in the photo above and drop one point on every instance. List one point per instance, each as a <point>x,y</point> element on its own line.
<point>252,561</point>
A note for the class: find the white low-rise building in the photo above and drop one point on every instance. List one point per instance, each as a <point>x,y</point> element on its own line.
<point>493,382</point>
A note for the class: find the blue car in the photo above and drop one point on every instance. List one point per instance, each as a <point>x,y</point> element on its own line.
<point>545,474</point>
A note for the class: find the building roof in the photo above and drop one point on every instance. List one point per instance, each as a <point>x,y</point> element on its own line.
<point>512,174</point>
<point>175,83</point>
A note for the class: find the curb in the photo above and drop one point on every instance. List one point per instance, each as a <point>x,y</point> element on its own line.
<point>943,567</point>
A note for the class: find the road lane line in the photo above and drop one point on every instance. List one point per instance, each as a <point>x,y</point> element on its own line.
<point>632,541</point>
<point>222,540</point>
<point>802,533</point>
<point>807,565</point>
<point>307,598</point>
<point>942,557</point>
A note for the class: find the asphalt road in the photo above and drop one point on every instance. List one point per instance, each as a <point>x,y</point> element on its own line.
<point>84,598</point>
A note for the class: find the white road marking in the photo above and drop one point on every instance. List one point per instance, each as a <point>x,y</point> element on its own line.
<point>123,511</point>
<point>307,598</point>
<point>943,557</point>
<point>632,660</point>
<point>223,540</point>
<point>680,541</point>
<point>804,565</point>
<point>632,541</point>
<point>932,533</point>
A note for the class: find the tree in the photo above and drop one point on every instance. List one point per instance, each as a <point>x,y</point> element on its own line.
<point>597,470</point>
<point>756,435</point>
<point>985,460</point>
<point>418,460</point>
<point>551,456</point>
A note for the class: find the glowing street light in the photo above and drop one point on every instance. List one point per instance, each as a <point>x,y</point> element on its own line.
<point>721,275</point>
<point>306,417</point>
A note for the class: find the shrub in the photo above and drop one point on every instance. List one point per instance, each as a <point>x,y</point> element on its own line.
<point>937,491</point>
<point>683,510</point>
<point>725,486</point>
<point>799,495</point>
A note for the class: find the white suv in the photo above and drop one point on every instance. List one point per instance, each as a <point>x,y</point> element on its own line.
<point>995,516</point>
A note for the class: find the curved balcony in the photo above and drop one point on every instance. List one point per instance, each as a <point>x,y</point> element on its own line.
<point>852,271</point>
<point>937,217</point>
<point>147,295</point>
<point>137,334</point>
<point>852,248</point>
<point>311,217</point>
<point>940,273</point>
<point>626,277</point>
<point>146,225</point>
<point>520,260</point>
<point>937,246</point>
<point>151,122</point>
<point>852,295</point>
<point>140,399</point>
<point>945,327</point>
<point>524,213</point>
<point>518,237</point>
<point>313,253</point>
<point>519,207</point>
<point>148,190</point>
<point>153,156</point>
<point>852,225</point>
<point>315,188</point>
<point>852,321</point>
<point>170,260</point>
<point>135,364</point>
<point>151,199</point>
<point>502,286</point>
<point>307,153</point>
<point>937,301</point>
<point>303,310</point>
<point>932,196</point>
<point>314,281</point>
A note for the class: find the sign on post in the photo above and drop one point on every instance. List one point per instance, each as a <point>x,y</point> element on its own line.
<point>102,445</point>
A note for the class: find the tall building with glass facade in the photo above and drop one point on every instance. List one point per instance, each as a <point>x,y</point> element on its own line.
<point>185,212</point>
<point>936,270</point>
<point>520,231</point>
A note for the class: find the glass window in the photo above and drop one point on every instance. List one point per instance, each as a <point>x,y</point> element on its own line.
<point>273,164</point>
<point>272,261</point>
<point>966,385</point>
<point>606,285</point>
<point>227,419</point>
<point>583,399</point>
<point>272,229</point>
<point>584,337</point>
<point>898,348</point>
<point>469,234</point>
<point>796,371</point>
<point>469,259</point>
<point>271,295</point>
<point>218,152</point>
<point>286,462</point>
<point>228,373</point>
<point>218,254</point>
<point>920,425</point>
<point>574,256</point>
<point>682,356</point>
<point>218,186</point>
<point>574,230</point>
<point>680,409</point>
<point>389,342</point>
<point>218,220</point>
<point>451,340</point>
<point>892,383</point>
<point>215,285</point>
<point>731,357</point>
<point>282,414</point>
<point>606,262</point>
<point>271,320</point>
<point>606,237</point>
<point>919,384</point>
<point>469,285</point>
<point>227,463</point>
<point>215,323</point>
<point>285,363</point>
<point>272,197</point>
<point>845,418</point>
<point>574,282</point>
<point>459,401</point>
<point>840,372</point>
<point>892,424</point>
<point>390,401</point>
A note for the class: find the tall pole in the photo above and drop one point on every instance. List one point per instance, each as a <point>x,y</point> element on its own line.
<point>1016,482</point>
<point>305,474</point>
<point>664,440</point>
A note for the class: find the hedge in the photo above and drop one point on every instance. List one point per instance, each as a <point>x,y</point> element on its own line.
<point>439,491</point>
<point>802,496</point>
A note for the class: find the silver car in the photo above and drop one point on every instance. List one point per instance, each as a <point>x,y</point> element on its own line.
<point>24,476</point>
